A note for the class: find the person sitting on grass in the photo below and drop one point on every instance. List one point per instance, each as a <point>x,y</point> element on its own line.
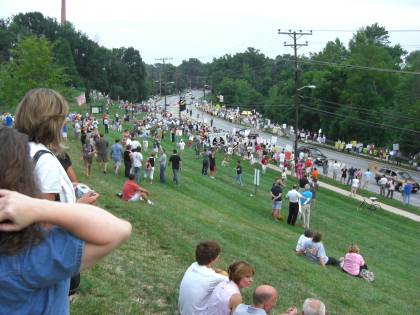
<point>200,279</point>
<point>353,262</point>
<point>306,236</point>
<point>313,307</point>
<point>133,192</point>
<point>226,296</point>
<point>37,261</point>
<point>314,249</point>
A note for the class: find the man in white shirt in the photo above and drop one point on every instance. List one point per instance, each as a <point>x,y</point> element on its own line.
<point>382,185</point>
<point>293,196</point>
<point>199,280</point>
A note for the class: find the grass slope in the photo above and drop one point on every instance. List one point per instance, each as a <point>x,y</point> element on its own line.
<point>142,277</point>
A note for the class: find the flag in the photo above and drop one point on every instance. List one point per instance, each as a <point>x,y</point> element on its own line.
<point>81,99</point>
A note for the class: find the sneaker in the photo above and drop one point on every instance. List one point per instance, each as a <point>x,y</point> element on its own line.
<point>150,202</point>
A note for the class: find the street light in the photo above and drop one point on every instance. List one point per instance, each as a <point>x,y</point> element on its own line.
<point>172,82</point>
<point>296,121</point>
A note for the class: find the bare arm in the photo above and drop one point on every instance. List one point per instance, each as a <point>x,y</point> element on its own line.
<point>101,231</point>
<point>234,301</point>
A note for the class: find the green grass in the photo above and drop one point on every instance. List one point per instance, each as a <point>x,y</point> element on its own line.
<point>142,277</point>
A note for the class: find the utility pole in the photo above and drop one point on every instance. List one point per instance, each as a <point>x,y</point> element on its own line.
<point>295,36</point>
<point>163,59</point>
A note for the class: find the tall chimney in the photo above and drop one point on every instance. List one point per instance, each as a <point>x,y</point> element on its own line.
<point>63,11</point>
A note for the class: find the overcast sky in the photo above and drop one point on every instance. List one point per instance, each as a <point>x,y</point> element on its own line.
<point>206,29</point>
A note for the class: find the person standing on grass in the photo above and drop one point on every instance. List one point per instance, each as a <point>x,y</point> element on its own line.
<point>175,160</point>
<point>238,178</point>
<point>137,159</point>
<point>102,150</point>
<point>354,187</point>
<point>162,166</point>
<point>382,185</point>
<point>336,169</point>
<point>127,161</point>
<point>116,155</point>
<point>200,279</point>
<point>391,189</point>
<point>276,198</point>
<point>305,204</point>
<point>367,175</point>
<point>206,162</point>
<point>88,154</point>
<point>314,189</point>
<point>407,190</point>
<point>212,163</point>
<point>293,196</point>
<point>343,174</point>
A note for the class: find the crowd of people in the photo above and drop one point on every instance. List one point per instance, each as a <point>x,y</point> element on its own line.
<point>37,148</point>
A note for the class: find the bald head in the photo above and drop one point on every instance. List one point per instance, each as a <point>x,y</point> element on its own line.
<point>265,297</point>
<point>313,307</point>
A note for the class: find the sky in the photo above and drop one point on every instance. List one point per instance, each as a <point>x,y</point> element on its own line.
<point>183,29</point>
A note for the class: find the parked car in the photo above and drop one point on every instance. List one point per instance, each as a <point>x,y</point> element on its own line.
<point>398,177</point>
<point>251,134</point>
<point>317,156</point>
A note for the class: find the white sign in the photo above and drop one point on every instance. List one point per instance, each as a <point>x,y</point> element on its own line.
<point>396,147</point>
<point>218,139</point>
<point>221,98</point>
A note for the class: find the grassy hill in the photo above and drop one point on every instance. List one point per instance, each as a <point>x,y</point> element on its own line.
<point>142,277</point>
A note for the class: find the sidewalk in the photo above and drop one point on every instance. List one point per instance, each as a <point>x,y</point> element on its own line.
<point>343,192</point>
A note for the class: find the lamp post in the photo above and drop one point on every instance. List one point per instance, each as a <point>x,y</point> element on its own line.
<point>172,82</point>
<point>297,119</point>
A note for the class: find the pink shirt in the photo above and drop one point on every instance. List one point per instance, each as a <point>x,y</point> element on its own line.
<point>352,263</point>
<point>220,298</point>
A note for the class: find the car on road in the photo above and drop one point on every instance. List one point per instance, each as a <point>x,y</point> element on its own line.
<point>314,153</point>
<point>398,176</point>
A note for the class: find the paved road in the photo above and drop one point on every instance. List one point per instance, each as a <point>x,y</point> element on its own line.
<point>282,142</point>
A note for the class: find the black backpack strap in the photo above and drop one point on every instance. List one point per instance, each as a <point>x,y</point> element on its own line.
<point>38,154</point>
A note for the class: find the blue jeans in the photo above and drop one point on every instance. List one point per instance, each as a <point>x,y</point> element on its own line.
<point>176,176</point>
<point>406,198</point>
<point>162,173</point>
<point>127,165</point>
<point>137,173</point>
<point>238,179</point>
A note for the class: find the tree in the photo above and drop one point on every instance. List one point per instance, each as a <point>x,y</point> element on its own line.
<point>32,66</point>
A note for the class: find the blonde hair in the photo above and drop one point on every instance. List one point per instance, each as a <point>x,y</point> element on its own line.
<point>239,270</point>
<point>40,115</point>
<point>354,248</point>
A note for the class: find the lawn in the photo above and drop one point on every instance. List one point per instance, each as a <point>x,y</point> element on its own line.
<point>142,277</point>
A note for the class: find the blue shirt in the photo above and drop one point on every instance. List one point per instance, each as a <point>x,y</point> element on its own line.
<point>307,197</point>
<point>315,251</point>
<point>116,152</point>
<point>37,279</point>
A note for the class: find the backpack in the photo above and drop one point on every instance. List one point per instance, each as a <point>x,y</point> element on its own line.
<point>367,275</point>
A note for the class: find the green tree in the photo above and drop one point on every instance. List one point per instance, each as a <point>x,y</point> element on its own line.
<point>32,66</point>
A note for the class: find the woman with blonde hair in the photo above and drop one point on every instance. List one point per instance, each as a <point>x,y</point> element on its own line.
<point>353,262</point>
<point>41,115</point>
<point>227,295</point>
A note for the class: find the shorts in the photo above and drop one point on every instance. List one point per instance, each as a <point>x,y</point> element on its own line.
<point>102,157</point>
<point>276,205</point>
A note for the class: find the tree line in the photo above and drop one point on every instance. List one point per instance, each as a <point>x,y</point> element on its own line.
<point>367,91</point>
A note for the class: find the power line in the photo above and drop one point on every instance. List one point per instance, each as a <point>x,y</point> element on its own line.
<point>371,123</point>
<point>356,109</point>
